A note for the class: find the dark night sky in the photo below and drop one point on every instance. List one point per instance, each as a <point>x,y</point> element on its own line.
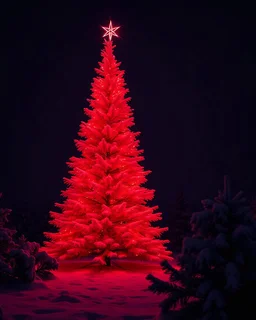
<point>191,75</point>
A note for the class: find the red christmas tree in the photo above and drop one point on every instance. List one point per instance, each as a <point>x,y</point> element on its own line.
<point>105,212</point>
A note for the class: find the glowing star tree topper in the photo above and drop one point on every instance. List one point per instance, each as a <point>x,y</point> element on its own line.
<point>110,31</point>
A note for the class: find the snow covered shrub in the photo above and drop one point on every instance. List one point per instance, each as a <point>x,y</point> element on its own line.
<point>19,258</point>
<point>216,274</point>
<point>45,262</point>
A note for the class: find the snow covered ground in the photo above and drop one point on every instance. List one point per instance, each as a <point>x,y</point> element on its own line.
<point>79,291</point>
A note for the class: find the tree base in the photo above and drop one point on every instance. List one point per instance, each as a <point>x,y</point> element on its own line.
<point>108,262</point>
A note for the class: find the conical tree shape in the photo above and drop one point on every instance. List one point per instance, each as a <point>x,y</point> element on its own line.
<point>105,212</point>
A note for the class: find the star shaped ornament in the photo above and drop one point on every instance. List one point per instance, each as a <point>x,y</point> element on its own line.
<point>110,31</point>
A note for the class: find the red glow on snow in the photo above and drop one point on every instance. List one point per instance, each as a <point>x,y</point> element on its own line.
<point>78,291</point>
<point>110,31</point>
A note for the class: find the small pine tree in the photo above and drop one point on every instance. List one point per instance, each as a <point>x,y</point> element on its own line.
<point>19,258</point>
<point>217,265</point>
<point>178,223</point>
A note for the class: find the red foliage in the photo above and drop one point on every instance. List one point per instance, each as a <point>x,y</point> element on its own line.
<point>105,212</point>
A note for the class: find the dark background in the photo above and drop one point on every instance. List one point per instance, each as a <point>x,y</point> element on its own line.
<point>191,75</point>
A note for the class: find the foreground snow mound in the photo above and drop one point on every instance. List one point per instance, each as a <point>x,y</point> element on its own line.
<point>82,290</point>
